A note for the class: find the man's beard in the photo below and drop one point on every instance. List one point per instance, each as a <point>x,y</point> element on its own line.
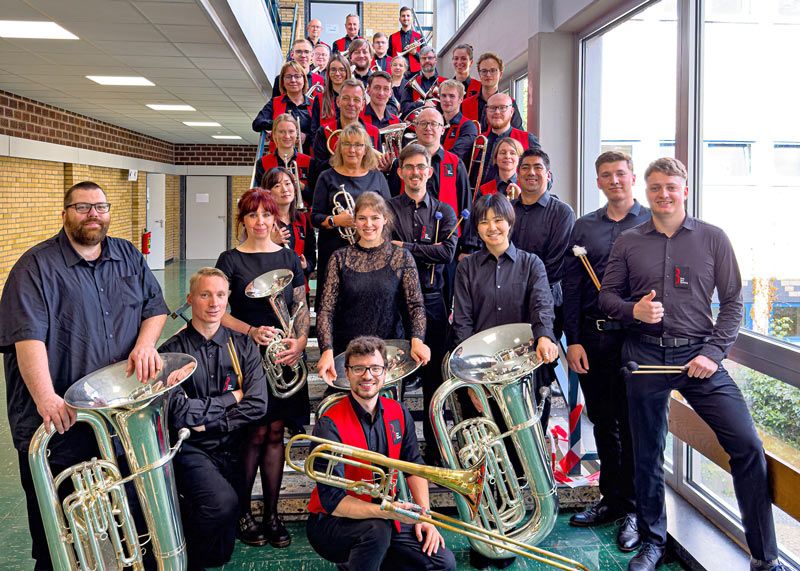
<point>84,237</point>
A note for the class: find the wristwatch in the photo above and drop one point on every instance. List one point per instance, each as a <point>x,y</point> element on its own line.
<point>330,221</point>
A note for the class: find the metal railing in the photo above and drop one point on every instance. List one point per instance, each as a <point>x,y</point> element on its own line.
<point>274,9</point>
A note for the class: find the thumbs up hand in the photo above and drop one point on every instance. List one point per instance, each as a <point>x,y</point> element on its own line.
<point>648,311</point>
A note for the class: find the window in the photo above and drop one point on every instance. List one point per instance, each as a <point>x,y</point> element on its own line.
<point>463,10</point>
<point>521,97</point>
<point>750,153</point>
<point>629,101</point>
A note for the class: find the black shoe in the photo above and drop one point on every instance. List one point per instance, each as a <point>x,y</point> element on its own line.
<point>598,514</point>
<point>650,556</point>
<point>774,565</point>
<point>249,531</point>
<point>628,534</point>
<point>277,534</point>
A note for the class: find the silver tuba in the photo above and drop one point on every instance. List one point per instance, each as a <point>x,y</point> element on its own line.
<point>498,363</point>
<point>343,202</point>
<point>271,285</point>
<point>94,529</point>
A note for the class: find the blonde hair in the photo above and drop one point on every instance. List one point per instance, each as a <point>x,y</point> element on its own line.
<point>506,141</point>
<point>206,272</point>
<point>299,69</point>
<point>355,131</point>
<point>370,199</point>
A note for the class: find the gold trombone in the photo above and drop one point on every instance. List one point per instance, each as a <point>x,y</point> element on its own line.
<point>468,483</point>
<point>479,148</point>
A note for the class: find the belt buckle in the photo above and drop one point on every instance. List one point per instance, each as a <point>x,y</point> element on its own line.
<point>661,343</point>
<point>599,323</point>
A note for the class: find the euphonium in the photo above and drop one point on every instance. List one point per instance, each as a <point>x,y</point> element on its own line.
<point>343,202</point>
<point>393,138</point>
<point>271,285</point>
<point>94,529</point>
<point>468,485</point>
<point>499,361</point>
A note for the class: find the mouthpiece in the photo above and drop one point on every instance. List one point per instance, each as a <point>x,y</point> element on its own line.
<point>578,250</point>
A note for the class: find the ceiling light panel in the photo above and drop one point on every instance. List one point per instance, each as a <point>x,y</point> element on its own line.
<point>34,30</point>
<point>120,80</point>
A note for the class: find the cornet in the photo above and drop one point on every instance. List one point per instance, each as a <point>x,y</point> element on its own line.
<point>343,202</point>
<point>271,285</point>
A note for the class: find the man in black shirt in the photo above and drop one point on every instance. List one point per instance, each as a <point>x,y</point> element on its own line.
<point>425,225</point>
<point>594,345</point>
<point>314,31</point>
<point>361,58</point>
<point>421,89</point>
<point>460,133</point>
<point>71,305</point>
<point>227,391</point>
<point>350,529</point>
<point>659,281</point>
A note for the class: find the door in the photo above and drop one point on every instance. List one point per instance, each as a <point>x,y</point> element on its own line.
<point>156,214</point>
<point>206,216</point>
<point>332,15</point>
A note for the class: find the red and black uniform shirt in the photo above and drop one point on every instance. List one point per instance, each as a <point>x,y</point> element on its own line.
<point>398,42</point>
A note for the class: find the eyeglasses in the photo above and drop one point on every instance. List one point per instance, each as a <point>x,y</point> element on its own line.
<point>346,145</point>
<point>293,78</point>
<point>376,370</point>
<point>501,108</point>
<point>428,124</point>
<point>337,71</point>
<point>418,168</point>
<point>85,207</point>
<point>493,71</point>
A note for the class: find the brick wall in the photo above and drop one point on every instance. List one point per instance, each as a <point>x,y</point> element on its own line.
<point>380,17</point>
<point>215,155</point>
<point>32,191</point>
<point>239,185</point>
<point>172,230</point>
<point>286,15</point>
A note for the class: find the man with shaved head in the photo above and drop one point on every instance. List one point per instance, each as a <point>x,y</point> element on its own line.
<point>314,31</point>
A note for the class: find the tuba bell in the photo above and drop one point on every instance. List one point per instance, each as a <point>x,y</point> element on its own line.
<point>498,363</point>
<point>271,285</point>
<point>94,528</point>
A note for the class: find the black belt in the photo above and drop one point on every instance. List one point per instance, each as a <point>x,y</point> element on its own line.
<point>672,341</point>
<point>603,324</point>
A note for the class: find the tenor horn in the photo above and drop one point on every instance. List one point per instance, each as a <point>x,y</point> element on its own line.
<point>94,528</point>
<point>499,362</point>
<point>393,138</point>
<point>343,202</point>
<point>271,285</point>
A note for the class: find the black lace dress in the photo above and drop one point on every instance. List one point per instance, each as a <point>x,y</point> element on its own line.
<point>370,291</point>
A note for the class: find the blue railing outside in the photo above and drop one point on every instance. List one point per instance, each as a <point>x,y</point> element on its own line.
<point>275,14</point>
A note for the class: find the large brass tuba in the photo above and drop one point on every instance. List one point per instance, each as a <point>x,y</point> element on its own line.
<point>271,285</point>
<point>94,529</point>
<point>498,363</point>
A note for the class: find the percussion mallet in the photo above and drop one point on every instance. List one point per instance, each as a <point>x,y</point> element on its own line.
<point>438,217</point>
<point>580,252</point>
<point>634,368</point>
<point>464,216</point>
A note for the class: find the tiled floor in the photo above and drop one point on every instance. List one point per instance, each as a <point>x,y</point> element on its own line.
<point>593,547</point>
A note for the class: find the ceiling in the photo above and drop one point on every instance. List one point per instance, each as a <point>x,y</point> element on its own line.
<point>172,43</point>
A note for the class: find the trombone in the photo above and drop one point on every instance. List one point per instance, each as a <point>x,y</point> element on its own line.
<point>468,483</point>
<point>479,148</point>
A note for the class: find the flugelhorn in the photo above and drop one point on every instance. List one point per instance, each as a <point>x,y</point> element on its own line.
<point>415,45</point>
<point>272,285</point>
<point>343,202</point>
<point>93,528</point>
<point>499,362</point>
<point>468,485</point>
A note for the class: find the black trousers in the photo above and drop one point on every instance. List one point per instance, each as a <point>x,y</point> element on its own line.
<point>720,404</point>
<point>436,337</point>
<point>372,544</point>
<point>607,407</point>
<point>207,489</point>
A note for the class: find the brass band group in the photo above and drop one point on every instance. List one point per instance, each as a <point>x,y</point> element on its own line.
<point>430,219</point>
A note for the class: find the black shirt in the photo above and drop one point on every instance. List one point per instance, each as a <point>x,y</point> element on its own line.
<point>684,270</point>
<point>375,436</point>
<point>491,291</point>
<point>489,169</point>
<point>407,102</point>
<point>265,117</point>
<point>415,225</point>
<point>516,119</point>
<point>206,398</point>
<point>466,137</point>
<point>389,113</point>
<point>502,185</point>
<point>597,233</point>
<point>88,315</point>
<point>543,228</point>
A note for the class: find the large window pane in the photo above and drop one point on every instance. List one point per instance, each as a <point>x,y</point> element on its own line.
<point>751,152</point>
<point>628,101</point>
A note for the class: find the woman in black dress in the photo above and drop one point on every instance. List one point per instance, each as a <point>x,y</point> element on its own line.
<point>258,254</point>
<point>353,162</point>
<point>372,288</point>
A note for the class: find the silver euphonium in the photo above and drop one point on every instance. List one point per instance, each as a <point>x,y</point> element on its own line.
<point>343,202</point>
<point>498,363</point>
<point>393,138</point>
<point>271,285</point>
<point>94,528</point>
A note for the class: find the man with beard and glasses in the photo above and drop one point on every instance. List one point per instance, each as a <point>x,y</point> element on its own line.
<point>71,305</point>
